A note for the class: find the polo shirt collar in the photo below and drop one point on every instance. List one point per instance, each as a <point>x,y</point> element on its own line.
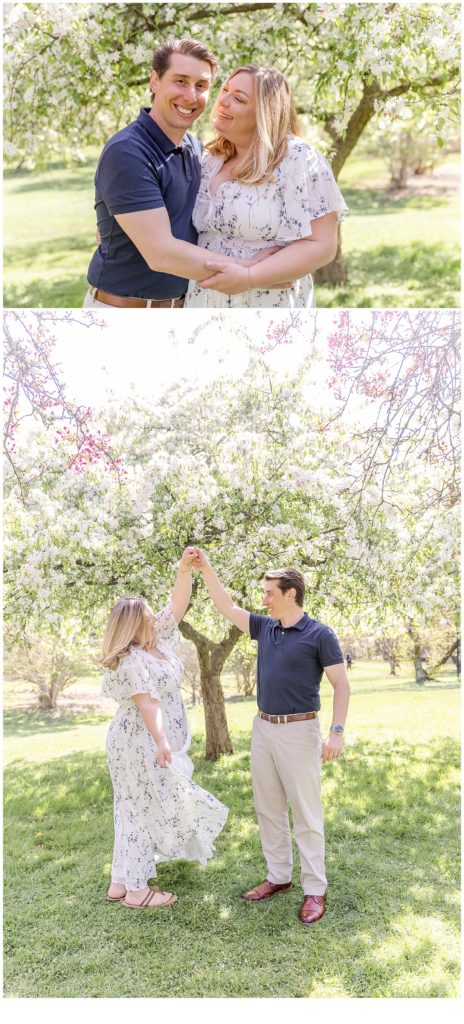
<point>297,625</point>
<point>167,145</point>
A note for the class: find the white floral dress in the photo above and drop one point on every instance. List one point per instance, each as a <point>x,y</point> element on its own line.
<point>239,220</point>
<point>159,813</point>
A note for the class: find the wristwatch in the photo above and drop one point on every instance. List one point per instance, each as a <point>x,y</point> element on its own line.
<point>338,729</point>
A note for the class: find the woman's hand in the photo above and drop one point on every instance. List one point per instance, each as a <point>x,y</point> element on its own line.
<point>260,256</point>
<point>163,754</point>
<point>187,559</point>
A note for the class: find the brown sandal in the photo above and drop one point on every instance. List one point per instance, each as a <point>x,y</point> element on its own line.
<point>117,899</point>
<point>147,903</point>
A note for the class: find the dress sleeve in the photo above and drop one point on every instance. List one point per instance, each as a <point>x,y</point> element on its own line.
<point>131,676</point>
<point>307,189</point>
<point>166,627</point>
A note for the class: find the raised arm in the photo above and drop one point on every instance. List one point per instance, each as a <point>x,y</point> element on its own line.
<point>222,600</point>
<point>182,590</point>
<point>336,674</point>
<point>288,264</point>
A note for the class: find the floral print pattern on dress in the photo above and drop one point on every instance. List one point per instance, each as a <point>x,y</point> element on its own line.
<point>160,814</point>
<point>240,220</point>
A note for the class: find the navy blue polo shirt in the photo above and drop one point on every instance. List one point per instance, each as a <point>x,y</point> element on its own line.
<point>141,169</point>
<point>291,661</point>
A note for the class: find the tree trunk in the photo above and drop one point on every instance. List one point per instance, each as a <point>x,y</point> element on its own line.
<point>217,732</point>
<point>392,663</point>
<point>421,674</point>
<point>343,146</point>
<point>447,656</point>
<point>211,659</point>
<point>335,272</point>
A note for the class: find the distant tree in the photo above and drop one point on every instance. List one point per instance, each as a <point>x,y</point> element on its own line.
<point>50,660</point>
<point>389,648</point>
<point>242,664</point>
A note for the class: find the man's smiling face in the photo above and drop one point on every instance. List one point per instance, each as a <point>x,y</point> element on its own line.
<point>181,94</point>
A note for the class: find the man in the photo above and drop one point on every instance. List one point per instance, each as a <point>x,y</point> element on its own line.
<point>146,184</point>
<point>293,652</point>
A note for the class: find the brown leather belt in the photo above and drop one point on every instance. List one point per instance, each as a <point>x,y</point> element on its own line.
<point>283,719</point>
<point>128,303</point>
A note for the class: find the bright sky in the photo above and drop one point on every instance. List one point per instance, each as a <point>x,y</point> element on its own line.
<point>151,350</point>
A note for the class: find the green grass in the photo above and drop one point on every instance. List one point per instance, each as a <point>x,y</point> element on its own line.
<point>391,809</point>
<point>400,251</point>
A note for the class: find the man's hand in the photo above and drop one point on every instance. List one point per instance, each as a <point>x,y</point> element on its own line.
<point>228,278</point>
<point>232,279</point>
<point>333,747</point>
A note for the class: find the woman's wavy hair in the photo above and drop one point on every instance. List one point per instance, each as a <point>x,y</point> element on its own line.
<point>128,622</point>
<point>276,119</point>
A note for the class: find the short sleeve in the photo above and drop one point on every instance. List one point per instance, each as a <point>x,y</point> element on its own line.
<point>307,189</point>
<point>329,649</point>
<point>131,676</point>
<point>127,181</point>
<point>257,623</point>
<point>166,627</point>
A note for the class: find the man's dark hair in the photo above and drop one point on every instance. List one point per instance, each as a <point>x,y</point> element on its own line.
<point>288,578</point>
<point>187,48</point>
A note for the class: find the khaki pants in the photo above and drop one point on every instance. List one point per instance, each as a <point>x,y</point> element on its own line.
<point>286,769</point>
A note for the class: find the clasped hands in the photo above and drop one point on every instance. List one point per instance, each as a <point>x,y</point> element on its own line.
<point>234,277</point>
<point>192,558</point>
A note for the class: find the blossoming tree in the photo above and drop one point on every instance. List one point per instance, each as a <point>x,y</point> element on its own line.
<point>77,72</point>
<point>252,472</point>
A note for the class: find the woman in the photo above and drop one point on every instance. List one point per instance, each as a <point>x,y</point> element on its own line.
<point>159,813</point>
<point>263,186</point>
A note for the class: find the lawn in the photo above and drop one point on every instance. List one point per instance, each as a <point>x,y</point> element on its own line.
<point>392,810</point>
<point>401,250</point>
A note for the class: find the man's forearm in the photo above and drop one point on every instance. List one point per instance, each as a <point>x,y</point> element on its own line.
<point>183,259</point>
<point>221,599</point>
<point>341,698</point>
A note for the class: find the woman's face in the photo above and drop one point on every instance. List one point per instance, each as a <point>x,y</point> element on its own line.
<point>235,116</point>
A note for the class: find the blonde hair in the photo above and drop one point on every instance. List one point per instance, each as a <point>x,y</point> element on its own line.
<point>128,620</point>
<point>276,119</point>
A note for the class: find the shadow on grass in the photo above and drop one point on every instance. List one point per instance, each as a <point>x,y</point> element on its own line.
<point>64,293</point>
<point>29,722</point>
<point>79,178</point>
<point>391,814</point>
<point>404,687</point>
<point>425,275</point>
<point>30,255</point>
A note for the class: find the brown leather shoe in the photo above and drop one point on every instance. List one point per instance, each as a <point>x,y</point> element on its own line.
<point>265,890</point>
<point>312,909</point>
